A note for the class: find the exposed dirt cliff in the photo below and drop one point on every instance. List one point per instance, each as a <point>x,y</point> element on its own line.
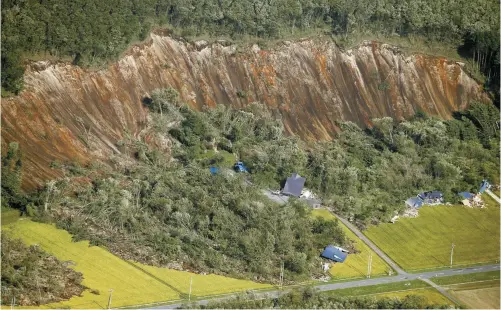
<point>70,113</point>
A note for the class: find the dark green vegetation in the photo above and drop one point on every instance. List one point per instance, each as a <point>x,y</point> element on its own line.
<point>92,31</point>
<point>157,210</point>
<point>33,277</point>
<point>481,276</point>
<point>308,298</point>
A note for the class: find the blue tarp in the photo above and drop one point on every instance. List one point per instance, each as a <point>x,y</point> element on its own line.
<point>466,195</point>
<point>334,253</point>
<point>414,202</point>
<point>483,186</point>
<point>214,170</point>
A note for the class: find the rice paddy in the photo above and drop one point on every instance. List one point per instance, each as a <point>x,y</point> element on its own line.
<point>130,283</point>
<point>425,242</point>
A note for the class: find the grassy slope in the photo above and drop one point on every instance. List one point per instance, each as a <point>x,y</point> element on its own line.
<point>425,242</point>
<point>356,264</point>
<point>9,216</point>
<point>103,271</point>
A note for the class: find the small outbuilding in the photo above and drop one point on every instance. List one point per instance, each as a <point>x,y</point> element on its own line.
<point>334,253</point>
<point>414,202</point>
<point>294,185</point>
<point>485,185</point>
<point>240,167</point>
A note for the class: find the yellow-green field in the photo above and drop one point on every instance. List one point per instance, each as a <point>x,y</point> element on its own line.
<point>479,295</point>
<point>201,284</point>
<point>103,271</point>
<point>425,242</point>
<point>432,296</point>
<point>355,265</point>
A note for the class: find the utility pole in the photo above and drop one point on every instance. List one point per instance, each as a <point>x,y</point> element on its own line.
<point>281,274</point>
<point>109,298</point>
<point>13,302</point>
<point>369,265</point>
<point>452,252</point>
<point>191,282</point>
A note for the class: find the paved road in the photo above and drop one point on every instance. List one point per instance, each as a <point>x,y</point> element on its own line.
<point>371,245</point>
<point>488,191</point>
<point>359,283</point>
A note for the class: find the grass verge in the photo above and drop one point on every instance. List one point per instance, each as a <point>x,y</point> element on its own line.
<point>465,278</point>
<point>380,288</point>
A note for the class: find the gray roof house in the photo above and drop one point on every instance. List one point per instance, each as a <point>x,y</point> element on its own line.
<point>294,185</point>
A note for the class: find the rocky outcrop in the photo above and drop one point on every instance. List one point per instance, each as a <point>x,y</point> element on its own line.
<point>70,113</point>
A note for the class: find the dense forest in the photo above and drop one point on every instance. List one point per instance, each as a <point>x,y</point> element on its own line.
<point>308,298</point>
<point>159,209</point>
<point>93,31</point>
<point>31,277</point>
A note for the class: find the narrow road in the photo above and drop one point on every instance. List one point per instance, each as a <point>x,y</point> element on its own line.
<point>425,276</point>
<point>371,245</point>
<point>442,290</point>
<point>488,191</point>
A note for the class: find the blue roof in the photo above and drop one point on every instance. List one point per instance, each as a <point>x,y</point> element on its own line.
<point>294,185</point>
<point>414,202</point>
<point>214,170</point>
<point>431,195</point>
<point>466,195</point>
<point>334,253</point>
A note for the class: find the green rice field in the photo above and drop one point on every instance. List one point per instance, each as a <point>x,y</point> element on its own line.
<point>425,242</point>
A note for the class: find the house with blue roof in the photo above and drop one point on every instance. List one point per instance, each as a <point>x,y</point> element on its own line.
<point>334,253</point>
<point>425,198</point>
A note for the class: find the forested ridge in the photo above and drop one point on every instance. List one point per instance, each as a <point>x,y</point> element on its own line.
<point>91,32</point>
<point>166,210</point>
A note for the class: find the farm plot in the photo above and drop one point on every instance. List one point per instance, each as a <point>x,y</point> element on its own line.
<point>478,295</point>
<point>103,271</point>
<point>425,242</point>
<point>432,296</point>
<point>355,265</point>
<point>201,285</point>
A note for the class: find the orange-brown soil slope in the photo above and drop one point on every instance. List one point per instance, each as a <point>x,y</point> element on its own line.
<point>70,113</point>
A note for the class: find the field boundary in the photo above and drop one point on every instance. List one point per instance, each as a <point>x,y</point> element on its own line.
<point>450,286</point>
